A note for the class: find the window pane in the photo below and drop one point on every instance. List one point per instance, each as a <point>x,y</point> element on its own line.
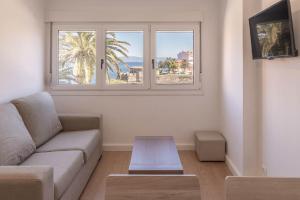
<point>77,57</point>
<point>174,56</point>
<point>124,57</point>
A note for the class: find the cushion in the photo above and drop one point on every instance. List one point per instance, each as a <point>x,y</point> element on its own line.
<point>40,117</point>
<point>210,146</point>
<point>66,165</point>
<point>85,141</point>
<point>209,136</point>
<point>15,141</point>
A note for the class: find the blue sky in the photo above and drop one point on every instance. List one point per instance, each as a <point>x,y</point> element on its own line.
<point>169,44</point>
<point>136,41</point>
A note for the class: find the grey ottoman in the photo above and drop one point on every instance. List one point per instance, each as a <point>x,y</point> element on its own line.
<point>210,146</point>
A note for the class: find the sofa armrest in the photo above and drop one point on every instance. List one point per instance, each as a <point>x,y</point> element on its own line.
<point>262,188</point>
<point>71,122</point>
<point>34,183</point>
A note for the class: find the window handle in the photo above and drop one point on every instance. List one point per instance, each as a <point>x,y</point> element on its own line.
<point>153,64</point>
<point>102,63</point>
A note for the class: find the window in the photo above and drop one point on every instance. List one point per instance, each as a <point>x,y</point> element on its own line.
<point>126,56</point>
<point>125,60</point>
<point>77,57</point>
<point>175,53</point>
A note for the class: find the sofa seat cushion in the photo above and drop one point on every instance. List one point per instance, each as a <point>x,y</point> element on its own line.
<point>66,165</point>
<point>16,143</point>
<point>85,141</point>
<point>40,117</point>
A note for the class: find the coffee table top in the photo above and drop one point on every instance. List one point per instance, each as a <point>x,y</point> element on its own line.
<point>155,155</point>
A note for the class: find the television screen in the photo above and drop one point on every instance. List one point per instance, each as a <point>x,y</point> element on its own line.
<point>272,32</point>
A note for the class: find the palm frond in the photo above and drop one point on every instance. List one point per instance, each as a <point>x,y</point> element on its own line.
<point>77,55</point>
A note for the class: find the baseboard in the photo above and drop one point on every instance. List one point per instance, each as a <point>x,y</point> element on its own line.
<point>128,147</point>
<point>232,167</point>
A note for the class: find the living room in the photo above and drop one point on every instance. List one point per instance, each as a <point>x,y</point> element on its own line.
<point>160,69</point>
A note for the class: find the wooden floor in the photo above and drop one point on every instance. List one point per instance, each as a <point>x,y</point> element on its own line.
<point>211,175</point>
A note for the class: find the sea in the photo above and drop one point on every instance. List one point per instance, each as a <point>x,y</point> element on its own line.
<point>124,68</point>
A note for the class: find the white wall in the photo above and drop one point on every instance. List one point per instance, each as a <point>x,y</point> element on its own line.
<point>127,116</point>
<point>251,90</point>
<point>280,99</point>
<point>267,133</point>
<point>232,83</point>
<point>22,48</point>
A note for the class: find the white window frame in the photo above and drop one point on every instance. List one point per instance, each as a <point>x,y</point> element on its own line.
<point>146,45</point>
<point>55,60</point>
<point>196,74</point>
<point>149,79</point>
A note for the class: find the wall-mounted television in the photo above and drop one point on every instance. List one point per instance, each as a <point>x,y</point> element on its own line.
<point>272,34</point>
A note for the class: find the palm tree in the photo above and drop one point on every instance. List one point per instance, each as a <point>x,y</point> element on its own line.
<point>114,47</point>
<point>66,73</point>
<point>172,64</point>
<point>80,48</point>
<point>184,64</point>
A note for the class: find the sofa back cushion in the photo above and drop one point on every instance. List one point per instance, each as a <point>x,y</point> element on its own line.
<point>15,141</point>
<point>40,117</point>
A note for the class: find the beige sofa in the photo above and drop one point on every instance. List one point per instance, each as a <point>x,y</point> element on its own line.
<point>262,188</point>
<point>45,156</point>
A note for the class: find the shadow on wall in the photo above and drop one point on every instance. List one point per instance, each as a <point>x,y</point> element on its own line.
<point>296,18</point>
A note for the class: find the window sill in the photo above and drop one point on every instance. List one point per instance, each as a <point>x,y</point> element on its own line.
<point>127,93</point>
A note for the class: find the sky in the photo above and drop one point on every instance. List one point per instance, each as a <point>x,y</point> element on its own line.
<point>168,44</point>
<point>135,39</point>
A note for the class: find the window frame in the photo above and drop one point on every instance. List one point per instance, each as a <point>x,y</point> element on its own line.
<point>127,27</point>
<point>149,28</point>
<point>55,56</point>
<point>196,51</point>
